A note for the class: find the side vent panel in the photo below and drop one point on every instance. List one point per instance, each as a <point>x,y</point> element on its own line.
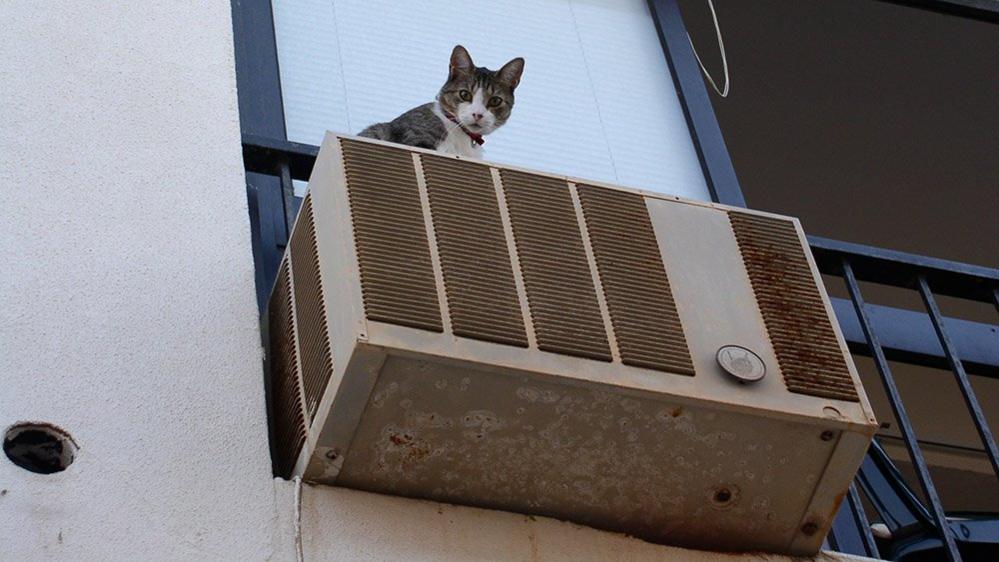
<point>286,401</point>
<point>478,277</point>
<point>803,339</point>
<point>638,294</point>
<point>557,276</point>
<point>397,278</point>
<point>317,358</point>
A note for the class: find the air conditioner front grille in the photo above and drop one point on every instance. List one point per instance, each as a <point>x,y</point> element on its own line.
<point>478,277</point>
<point>557,277</point>
<point>807,350</point>
<point>639,300</point>
<point>314,339</point>
<point>397,277</point>
<point>516,340</point>
<point>289,415</point>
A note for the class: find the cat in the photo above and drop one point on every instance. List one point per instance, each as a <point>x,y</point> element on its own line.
<point>474,102</point>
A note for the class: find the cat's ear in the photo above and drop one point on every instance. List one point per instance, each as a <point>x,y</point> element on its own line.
<point>461,61</point>
<point>511,71</point>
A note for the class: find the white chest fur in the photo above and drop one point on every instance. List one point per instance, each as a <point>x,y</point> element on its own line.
<point>456,141</point>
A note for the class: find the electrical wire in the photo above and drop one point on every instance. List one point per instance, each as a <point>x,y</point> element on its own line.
<point>721,46</point>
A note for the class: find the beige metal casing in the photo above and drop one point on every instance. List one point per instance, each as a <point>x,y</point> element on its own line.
<point>467,332</point>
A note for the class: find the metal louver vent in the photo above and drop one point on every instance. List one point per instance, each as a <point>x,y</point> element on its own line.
<point>641,305</point>
<point>286,398</point>
<point>802,337</point>
<point>314,341</point>
<point>397,278</point>
<point>478,277</point>
<point>557,278</point>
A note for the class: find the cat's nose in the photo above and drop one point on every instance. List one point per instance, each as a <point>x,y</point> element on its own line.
<point>477,116</point>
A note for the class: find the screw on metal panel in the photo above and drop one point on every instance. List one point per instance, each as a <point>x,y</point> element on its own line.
<point>827,435</point>
<point>723,495</point>
<point>810,528</point>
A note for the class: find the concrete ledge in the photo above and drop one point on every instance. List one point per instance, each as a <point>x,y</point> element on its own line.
<point>342,524</point>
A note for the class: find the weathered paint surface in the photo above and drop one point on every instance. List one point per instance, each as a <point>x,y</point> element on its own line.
<point>669,471</point>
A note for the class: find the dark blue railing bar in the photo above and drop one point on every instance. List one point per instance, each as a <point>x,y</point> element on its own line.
<point>907,336</point>
<point>263,155</point>
<point>287,195</point>
<point>708,141</point>
<point>984,10</point>
<point>891,498</point>
<point>898,269</point>
<point>905,426</point>
<point>851,532</point>
<point>863,525</point>
<point>962,378</point>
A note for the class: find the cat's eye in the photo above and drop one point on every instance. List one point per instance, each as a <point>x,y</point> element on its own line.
<point>495,101</point>
<point>465,95</point>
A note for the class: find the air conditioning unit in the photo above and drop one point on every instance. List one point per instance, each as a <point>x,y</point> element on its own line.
<point>473,333</point>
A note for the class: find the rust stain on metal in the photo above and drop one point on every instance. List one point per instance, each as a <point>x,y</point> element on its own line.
<point>811,360</point>
<point>595,457</point>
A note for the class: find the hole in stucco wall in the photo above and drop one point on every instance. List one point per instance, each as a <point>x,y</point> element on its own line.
<point>39,447</point>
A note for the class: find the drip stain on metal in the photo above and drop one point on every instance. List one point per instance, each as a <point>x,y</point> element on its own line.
<point>809,355</point>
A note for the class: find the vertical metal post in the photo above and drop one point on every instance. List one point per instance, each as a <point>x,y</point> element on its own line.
<point>287,196</point>
<point>890,496</point>
<point>851,531</point>
<point>857,507</point>
<point>905,426</point>
<point>261,112</point>
<point>962,377</point>
<point>696,104</point>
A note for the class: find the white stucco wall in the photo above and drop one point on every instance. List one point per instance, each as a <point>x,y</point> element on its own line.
<point>127,295</point>
<point>129,316</point>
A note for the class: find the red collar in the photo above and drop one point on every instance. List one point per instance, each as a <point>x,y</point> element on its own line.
<point>476,138</point>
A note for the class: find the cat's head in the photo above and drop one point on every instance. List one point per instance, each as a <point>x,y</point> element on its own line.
<point>481,99</point>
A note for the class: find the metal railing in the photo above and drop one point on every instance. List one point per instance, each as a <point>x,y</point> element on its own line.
<point>883,333</point>
<point>924,528</point>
